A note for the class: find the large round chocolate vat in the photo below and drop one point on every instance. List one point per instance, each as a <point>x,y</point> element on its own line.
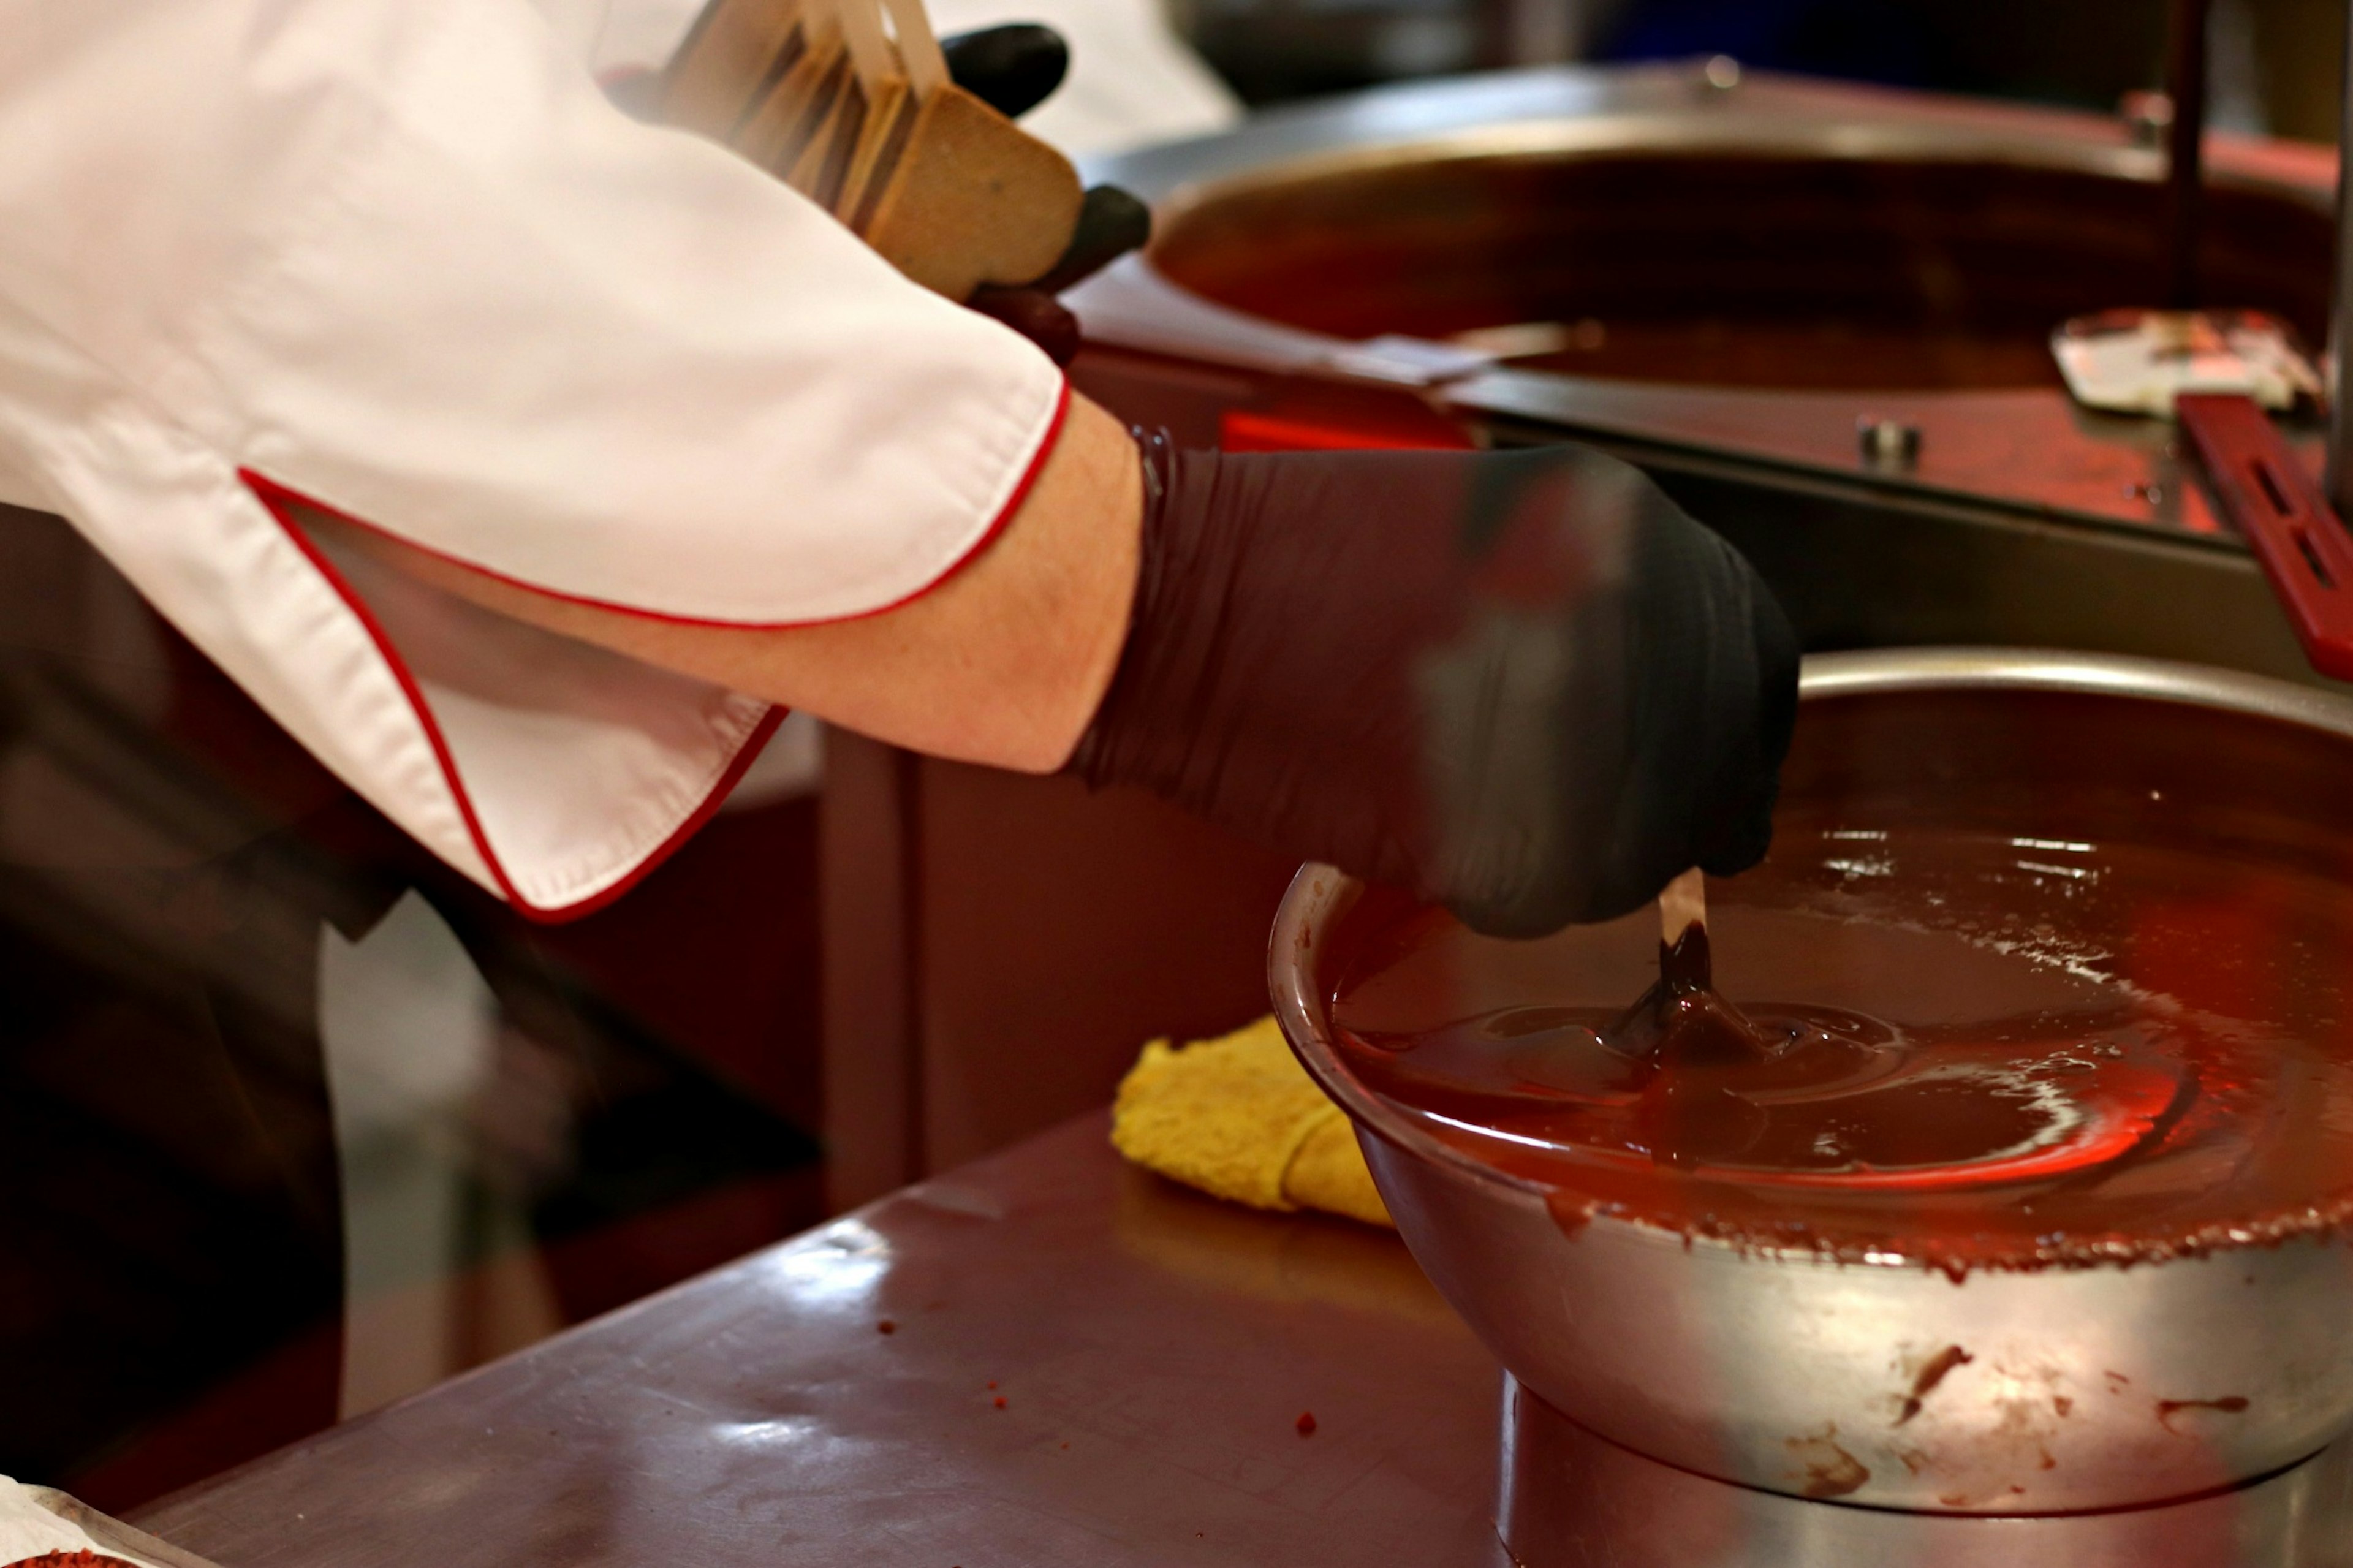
<point>2105,1381</point>
<point>1762,233</point>
<point>1740,257</point>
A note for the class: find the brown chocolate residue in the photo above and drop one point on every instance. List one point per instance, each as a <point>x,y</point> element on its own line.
<point>2167,1409</point>
<point>1829,1470</point>
<point>1930,1375</point>
<point>1687,965</point>
<point>1681,1019</point>
<point>1570,1211</point>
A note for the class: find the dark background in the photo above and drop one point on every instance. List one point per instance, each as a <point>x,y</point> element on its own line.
<point>2276,61</point>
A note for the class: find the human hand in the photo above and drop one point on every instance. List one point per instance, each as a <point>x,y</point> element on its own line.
<point>1013,69</point>
<point>1525,684</point>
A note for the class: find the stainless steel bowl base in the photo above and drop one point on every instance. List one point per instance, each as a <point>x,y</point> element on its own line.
<point>1881,1382</point>
<point>1570,1498</point>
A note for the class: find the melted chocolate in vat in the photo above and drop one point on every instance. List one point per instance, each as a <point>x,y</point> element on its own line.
<point>2017,1051</point>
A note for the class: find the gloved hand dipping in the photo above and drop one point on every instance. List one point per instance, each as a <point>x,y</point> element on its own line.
<point>1525,685</point>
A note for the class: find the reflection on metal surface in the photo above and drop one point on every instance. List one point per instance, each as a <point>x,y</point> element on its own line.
<point>769,1432</point>
<point>1887,443</point>
<point>412,1037</point>
<point>1310,1266</point>
<point>832,1270</point>
<point>1152,1418</point>
<point>2056,670</point>
<point>1151,1415</point>
<point>1569,1499</point>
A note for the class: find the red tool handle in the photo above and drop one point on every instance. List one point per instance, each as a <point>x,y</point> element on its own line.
<point>2276,507</point>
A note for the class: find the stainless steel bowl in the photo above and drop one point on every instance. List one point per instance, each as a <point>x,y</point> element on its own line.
<point>2087,1387</point>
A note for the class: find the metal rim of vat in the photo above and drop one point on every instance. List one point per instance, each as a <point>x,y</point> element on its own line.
<point>1563,111</point>
<point>2082,1387</point>
<point>1601,110</point>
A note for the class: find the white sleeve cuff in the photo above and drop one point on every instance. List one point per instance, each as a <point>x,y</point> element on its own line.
<point>401,259</point>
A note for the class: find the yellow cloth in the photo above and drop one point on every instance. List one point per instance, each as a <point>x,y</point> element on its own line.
<point>1239,1117</point>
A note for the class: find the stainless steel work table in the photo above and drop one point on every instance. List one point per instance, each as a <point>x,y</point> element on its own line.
<point>1153,1350</point>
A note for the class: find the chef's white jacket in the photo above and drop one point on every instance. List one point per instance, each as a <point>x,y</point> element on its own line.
<point>402,259</point>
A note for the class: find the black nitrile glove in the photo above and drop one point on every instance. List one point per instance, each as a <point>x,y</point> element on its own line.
<point>1111,224</point>
<point>1525,685</point>
<point>1012,67</point>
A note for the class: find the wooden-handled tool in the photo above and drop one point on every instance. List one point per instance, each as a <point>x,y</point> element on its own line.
<point>1683,904</point>
<point>864,120</point>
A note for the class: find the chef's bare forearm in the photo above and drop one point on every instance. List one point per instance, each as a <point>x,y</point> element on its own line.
<point>1004,663</point>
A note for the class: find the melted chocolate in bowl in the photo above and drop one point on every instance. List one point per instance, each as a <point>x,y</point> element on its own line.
<point>2021,1018</point>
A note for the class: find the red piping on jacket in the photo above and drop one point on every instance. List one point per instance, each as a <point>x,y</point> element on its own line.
<point>276,498</point>
<point>272,498</point>
<point>265,487</point>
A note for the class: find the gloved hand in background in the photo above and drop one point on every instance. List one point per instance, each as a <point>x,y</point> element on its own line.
<point>1525,685</point>
<point>1013,69</point>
